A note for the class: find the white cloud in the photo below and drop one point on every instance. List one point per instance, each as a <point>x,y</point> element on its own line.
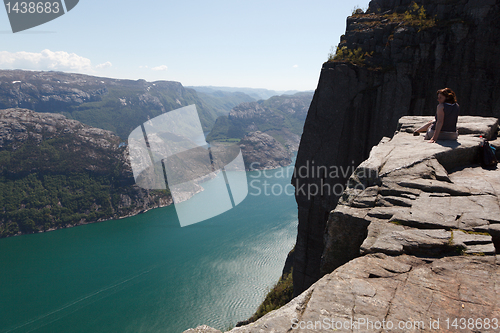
<point>143,66</point>
<point>107,64</point>
<point>48,60</point>
<point>295,66</point>
<point>160,68</point>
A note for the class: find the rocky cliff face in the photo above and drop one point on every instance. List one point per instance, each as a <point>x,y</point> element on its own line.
<point>57,172</point>
<point>396,64</point>
<point>414,239</point>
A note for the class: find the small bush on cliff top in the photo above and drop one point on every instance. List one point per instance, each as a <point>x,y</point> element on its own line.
<point>415,15</point>
<point>348,55</point>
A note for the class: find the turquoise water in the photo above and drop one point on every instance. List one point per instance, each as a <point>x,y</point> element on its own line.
<point>146,273</point>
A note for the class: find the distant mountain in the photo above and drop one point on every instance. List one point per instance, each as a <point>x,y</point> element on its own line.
<point>282,117</point>
<point>117,105</point>
<point>224,101</point>
<point>255,93</point>
<point>267,131</point>
<point>56,173</point>
<point>111,104</point>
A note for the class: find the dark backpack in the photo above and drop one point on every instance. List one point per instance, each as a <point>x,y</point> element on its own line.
<point>487,155</point>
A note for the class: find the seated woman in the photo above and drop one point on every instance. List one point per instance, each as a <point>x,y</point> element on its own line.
<point>445,125</point>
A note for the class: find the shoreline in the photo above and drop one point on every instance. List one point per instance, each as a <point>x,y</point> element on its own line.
<point>142,211</point>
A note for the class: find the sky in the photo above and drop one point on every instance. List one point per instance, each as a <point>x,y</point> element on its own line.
<point>277,45</point>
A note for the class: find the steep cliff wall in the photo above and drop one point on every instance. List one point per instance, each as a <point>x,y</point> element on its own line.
<point>398,61</point>
<point>413,241</point>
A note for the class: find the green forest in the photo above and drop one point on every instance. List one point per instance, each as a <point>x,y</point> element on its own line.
<point>61,182</point>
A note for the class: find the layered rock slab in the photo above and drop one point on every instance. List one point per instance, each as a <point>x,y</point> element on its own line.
<point>415,197</point>
<point>376,288</point>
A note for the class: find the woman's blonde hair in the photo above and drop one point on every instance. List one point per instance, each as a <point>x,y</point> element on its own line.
<point>449,95</point>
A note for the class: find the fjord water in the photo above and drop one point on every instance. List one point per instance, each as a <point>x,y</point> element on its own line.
<point>147,274</point>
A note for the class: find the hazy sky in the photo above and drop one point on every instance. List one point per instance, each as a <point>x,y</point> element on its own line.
<point>276,45</point>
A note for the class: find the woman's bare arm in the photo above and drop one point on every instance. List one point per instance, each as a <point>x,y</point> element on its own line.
<point>439,123</point>
<point>424,127</point>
